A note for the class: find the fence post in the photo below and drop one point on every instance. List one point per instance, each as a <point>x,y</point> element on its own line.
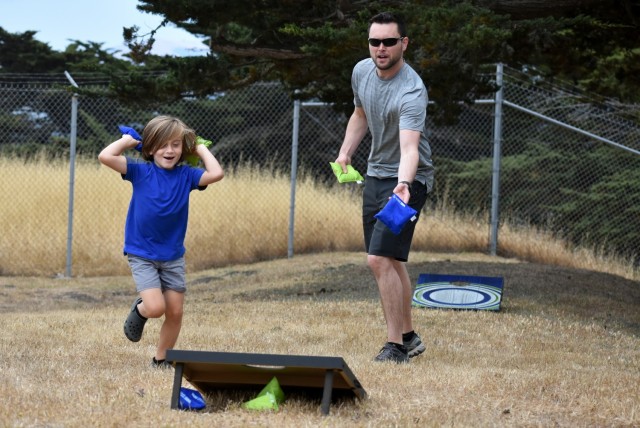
<point>72,172</point>
<point>294,174</point>
<point>495,185</point>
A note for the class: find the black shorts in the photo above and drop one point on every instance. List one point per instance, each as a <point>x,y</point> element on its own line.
<point>379,240</point>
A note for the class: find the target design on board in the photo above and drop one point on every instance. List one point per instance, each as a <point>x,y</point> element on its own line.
<point>458,292</point>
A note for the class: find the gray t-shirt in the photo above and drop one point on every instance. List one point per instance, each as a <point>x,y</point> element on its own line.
<point>391,105</point>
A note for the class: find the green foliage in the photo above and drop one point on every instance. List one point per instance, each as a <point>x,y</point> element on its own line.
<point>95,137</point>
<point>608,212</point>
<point>621,65</point>
<point>21,53</point>
<point>586,195</point>
<point>312,45</point>
<point>452,43</point>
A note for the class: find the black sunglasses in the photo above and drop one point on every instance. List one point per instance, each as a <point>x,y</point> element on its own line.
<point>387,42</point>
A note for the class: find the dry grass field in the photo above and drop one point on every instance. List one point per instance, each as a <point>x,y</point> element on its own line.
<point>563,351</point>
<point>242,219</point>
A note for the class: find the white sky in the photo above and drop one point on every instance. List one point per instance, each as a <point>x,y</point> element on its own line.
<point>59,21</point>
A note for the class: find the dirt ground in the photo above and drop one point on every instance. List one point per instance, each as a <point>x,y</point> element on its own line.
<point>579,295</point>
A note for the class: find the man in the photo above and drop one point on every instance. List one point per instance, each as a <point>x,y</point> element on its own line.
<point>390,101</point>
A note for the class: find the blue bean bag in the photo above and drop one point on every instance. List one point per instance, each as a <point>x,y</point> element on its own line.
<point>190,399</point>
<point>130,131</point>
<point>396,214</point>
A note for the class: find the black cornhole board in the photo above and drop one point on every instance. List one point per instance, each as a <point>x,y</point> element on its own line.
<point>209,371</point>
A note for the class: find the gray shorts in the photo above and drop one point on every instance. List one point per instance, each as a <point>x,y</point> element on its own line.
<point>148,274</point>
<point>379,240</point>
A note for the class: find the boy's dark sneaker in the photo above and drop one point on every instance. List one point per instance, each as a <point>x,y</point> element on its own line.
<point>392,353</point>
<point>160,364</point>
<point>414,346</point>
<point>134,324</point>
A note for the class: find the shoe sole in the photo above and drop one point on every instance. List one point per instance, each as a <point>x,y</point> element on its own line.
<point>392,360</point>
<point>391,357</point>
<point>417,351</point>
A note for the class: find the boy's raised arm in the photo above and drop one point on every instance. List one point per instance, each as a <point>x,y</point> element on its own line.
<point>213,170</point>
<point>112,157</point>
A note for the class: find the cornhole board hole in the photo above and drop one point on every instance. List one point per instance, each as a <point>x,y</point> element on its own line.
<point>328,377</point>
<point>458,292</point>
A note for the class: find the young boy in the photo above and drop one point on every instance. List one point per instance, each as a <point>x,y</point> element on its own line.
<point>156,223</point>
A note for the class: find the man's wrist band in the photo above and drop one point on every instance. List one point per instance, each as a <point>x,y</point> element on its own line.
<point>407,183</point>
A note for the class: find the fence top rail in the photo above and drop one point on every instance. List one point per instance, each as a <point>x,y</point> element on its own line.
<point>603,119</point>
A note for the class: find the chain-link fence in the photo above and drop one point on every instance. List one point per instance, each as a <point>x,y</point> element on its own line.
<point>567,164</point>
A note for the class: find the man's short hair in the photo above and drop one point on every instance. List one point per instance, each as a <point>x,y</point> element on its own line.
<point>389,18</point>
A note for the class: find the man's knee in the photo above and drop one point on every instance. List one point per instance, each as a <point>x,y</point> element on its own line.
<point>378,263</point>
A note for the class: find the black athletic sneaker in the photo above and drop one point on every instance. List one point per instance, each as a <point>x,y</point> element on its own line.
<point>390,352</point>
<point>414,346</point>
<point>162,364</point>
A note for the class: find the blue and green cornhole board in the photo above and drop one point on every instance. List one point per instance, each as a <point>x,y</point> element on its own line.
<point>458,292</point>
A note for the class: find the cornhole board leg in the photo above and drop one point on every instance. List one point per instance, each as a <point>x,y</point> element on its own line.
<point>177,384</point>
<point>326,392</point>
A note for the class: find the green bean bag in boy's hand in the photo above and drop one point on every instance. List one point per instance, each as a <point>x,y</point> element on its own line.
<point>192,158</point>
<point>352,175</point>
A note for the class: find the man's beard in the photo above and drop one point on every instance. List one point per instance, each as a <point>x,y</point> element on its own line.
<point>389,65</point>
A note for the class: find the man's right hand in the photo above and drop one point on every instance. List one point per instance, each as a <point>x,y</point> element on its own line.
<point>343,160</point>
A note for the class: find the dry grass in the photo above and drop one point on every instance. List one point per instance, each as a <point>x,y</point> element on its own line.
<point>242,219</point>
<point>564,351</point>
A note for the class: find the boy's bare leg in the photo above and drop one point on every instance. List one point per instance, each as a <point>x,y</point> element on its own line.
<point>172,324</point>
<point>153,303</point>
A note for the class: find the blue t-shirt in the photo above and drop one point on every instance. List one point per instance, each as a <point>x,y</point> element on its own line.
<point>159,209</point>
